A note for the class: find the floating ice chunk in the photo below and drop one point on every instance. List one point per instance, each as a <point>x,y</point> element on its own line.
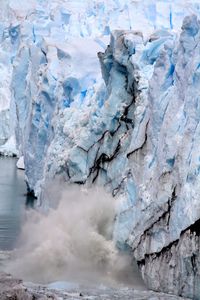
<point>20,163</point>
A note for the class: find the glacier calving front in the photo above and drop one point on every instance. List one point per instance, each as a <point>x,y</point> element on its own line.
<point>135,131</point>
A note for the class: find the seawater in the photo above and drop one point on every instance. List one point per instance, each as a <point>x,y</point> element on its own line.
<point>12,202</point>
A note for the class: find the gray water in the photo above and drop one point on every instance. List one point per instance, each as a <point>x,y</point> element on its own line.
<point>12,202</point>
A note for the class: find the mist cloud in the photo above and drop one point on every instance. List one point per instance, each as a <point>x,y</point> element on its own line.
<point>72,242</point>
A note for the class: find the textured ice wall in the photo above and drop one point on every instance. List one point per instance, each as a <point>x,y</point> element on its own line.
<point>25,23</point>
<point>159,173</point>
<point>138,136</point>
<point>52,45</point>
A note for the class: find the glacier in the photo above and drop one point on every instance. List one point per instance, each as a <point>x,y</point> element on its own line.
<point>127,119</point>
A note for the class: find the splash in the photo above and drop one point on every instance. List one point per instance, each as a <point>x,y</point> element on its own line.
<point>72,242</point>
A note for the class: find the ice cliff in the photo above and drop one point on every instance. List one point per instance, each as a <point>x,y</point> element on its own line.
<point>129,121</point>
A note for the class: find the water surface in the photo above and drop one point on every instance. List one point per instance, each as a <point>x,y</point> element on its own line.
<point>12,202</point>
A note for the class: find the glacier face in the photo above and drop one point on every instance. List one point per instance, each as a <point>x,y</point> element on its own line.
<point>130,122</point>
<point>40,24</point>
